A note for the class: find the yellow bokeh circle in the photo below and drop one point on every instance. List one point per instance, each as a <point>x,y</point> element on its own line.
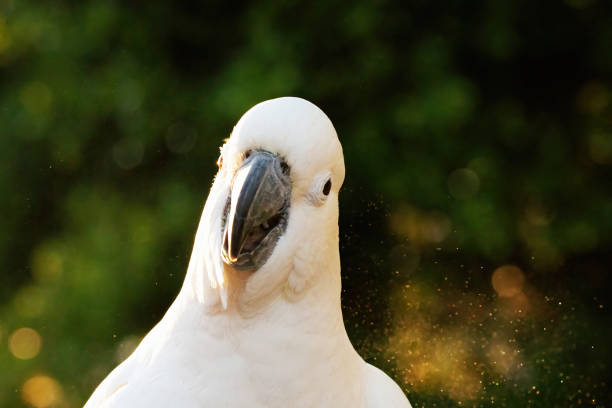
<point>508,281</point>
<point>25,343</point>
<point>41,391</point>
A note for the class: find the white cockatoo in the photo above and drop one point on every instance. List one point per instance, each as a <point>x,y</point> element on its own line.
<point>258,321</point>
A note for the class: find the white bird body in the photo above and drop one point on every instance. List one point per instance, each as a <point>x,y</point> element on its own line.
<point>274,337</point>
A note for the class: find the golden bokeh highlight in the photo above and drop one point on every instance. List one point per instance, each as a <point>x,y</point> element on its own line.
<point>419,227</point>
<point>36,97</point>
<point>25,343</point>
<point>503,358</point>
<point>47,265</point>
<point>433,356</point>
<point>30,301</point>
<point>42,391</point>
<point>508,281</point>
<point>459,344</point>
<point>431,361</point>
<point>518,305</point>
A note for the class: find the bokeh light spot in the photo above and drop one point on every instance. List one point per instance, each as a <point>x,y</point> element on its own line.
<point>180,138</point>
<point>128,153</point>
<point>508,281</point>
<point>463,183</point>
<point>41,391</point>
<point>419,227</point>
<point>593,98</point>
<point>25,343</point>
<point>5,39</point>
<point>130,95</point>
<point>36,97</point>
<point>30,301</point>
<point>502,357</point>
<point>46,265</point>
<point>600,147</point>
<point>519,305</point>
<point>537,215</point>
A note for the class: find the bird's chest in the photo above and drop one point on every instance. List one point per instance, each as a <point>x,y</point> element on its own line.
<point>274,369</point>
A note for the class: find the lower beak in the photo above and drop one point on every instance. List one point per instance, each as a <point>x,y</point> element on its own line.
<point>259,200</point>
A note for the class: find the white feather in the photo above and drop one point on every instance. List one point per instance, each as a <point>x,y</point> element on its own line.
<point>274,338</point>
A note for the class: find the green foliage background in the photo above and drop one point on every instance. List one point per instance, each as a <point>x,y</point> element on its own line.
<point>476,135</point>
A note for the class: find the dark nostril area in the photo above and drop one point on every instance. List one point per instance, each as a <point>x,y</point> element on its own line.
<point>285,168</point>
<point>271,222</point>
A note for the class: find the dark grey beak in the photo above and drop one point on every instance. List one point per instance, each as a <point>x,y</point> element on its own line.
<point>258,210</point>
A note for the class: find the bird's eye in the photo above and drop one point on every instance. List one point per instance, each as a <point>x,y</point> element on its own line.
<point>220,161</point>
<point>320,188</point>
<point>247,154</point>
<point>327,187</point>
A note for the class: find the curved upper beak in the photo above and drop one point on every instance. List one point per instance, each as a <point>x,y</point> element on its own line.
<point>259,199</point>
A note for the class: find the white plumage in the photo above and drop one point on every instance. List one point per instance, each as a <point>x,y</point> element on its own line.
<point>270,337</point>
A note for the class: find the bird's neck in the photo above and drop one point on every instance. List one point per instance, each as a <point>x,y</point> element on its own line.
<point>289,348</point>
<point>296,331</point>
<point>302,293</point>
<point>285,327</point>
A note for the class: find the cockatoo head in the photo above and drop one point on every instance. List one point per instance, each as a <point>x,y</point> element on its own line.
<point>270,223</point>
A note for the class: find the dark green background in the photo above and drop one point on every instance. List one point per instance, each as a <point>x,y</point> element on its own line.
<point>476,135</point>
